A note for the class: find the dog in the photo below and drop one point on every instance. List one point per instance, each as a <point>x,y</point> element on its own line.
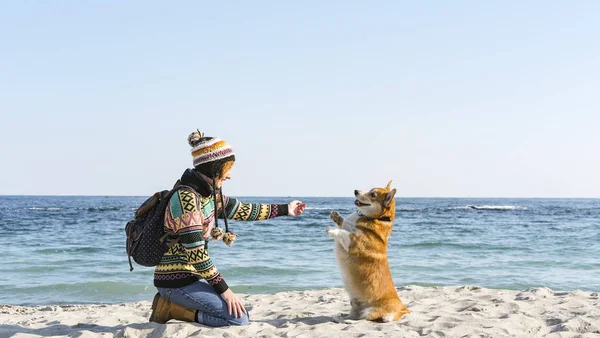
<point>361,251</point>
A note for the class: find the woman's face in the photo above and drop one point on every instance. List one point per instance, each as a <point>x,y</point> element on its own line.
<point>225,177</point>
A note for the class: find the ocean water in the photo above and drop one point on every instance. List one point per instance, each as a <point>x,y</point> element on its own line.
<point>71,250</point>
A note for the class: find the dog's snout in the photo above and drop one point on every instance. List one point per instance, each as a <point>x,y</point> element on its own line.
<point>355,192</point>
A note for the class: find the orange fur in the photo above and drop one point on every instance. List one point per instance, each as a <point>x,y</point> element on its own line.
<point>361,251</point>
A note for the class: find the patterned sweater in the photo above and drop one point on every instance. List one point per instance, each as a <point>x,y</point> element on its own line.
<point>188,212</point>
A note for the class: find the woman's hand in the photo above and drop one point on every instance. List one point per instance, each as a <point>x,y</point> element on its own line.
<point>296,208</point>
<point>234,305</point>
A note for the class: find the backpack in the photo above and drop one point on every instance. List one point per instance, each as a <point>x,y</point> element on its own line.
<point>147,240</point>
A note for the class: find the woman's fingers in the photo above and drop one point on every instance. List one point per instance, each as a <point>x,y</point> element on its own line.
<point>240,309</point>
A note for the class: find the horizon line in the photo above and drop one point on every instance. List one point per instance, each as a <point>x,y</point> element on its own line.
<point>295,196</point>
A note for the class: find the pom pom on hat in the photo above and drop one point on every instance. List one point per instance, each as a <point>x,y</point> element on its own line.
<point>217,233</point>
<point>194,138</point>
<point>229,238</point>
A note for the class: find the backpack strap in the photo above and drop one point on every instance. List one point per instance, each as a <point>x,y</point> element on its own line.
<point>142,210</point>
<point>166,199</point>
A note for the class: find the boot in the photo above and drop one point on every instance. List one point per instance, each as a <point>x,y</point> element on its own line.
<point>164,310</point>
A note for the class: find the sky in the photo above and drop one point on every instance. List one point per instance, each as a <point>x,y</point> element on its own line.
<point>317,98</point>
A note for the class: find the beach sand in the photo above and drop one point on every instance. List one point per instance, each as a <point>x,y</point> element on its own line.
<point>450,311</point>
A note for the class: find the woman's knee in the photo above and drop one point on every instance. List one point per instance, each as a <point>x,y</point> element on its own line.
<point>243,320</point>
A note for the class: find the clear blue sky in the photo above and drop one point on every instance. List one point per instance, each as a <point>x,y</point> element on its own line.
<point>317,98</point>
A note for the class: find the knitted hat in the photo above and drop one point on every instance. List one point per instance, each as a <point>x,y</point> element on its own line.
<point>209,153</point>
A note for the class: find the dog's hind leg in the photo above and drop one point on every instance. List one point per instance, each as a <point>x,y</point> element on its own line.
<point>387,312</point>
<point>356,309</point>
<point>337,218</point>
<point>376,315</point>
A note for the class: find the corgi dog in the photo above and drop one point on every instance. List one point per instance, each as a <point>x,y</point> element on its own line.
<point>360,247</point>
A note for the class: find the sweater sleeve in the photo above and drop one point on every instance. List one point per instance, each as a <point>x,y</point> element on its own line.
<point>184,216</point>
<point>240,211</point>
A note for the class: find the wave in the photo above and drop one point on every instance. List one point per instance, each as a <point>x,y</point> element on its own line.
<point>69,250</point>
<point>265,271</point>
<point>270,288</point>
<point>78,293</point>
<point>490,207</point>
<point>34,269</point>
<point>100,209</point>
<point>436,244</point>
<point>90,209</point>
<point>408,210</point>
<point>45,208</point>
<point>345,208</point>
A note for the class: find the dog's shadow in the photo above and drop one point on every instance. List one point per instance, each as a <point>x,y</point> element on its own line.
<point>284,322</point>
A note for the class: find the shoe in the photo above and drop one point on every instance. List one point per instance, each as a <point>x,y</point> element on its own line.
<point>164,310</point>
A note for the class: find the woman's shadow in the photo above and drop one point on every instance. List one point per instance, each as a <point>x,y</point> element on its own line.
<point>76,330</point>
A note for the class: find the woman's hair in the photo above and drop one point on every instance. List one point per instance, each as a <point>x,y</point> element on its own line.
<point>220,168</point>
<point>226,166</point>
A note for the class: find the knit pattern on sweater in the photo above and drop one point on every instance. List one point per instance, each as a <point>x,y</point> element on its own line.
<point>187,214</point>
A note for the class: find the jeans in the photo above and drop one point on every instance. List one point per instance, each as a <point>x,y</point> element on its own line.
<point>212,309</point>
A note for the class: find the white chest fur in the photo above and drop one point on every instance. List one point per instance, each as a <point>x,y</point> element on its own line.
<point>341,246</point>
<point>350,222</point>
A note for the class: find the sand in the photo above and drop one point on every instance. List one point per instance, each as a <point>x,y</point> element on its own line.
<point>450,311</point>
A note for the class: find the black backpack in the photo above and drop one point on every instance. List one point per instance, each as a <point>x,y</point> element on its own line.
<point>147,240</point>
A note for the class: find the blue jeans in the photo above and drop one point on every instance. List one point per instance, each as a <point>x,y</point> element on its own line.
<point>212,309</point>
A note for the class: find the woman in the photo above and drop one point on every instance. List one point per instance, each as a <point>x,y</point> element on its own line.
<point>190,288</point>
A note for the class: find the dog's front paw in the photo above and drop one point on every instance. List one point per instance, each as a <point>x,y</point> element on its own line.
<point>328,230</point>
<point>336,218</point>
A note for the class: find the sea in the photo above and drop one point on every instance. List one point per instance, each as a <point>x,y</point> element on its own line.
<point>71,249</point>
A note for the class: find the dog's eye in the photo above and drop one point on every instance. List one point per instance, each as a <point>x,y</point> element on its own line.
<point>373,194</point>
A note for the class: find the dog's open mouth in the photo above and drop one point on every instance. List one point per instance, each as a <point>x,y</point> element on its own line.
<point>360,204</point>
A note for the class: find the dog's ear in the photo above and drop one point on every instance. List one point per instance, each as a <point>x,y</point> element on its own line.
<point>389,197</point>
<point>389,185</point>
